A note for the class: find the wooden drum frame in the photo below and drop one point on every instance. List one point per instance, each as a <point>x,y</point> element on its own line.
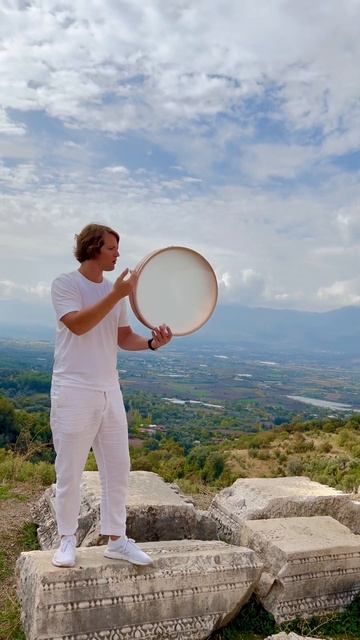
<point>176,286</point>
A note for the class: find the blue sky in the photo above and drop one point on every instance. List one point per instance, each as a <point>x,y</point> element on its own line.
<point>232,128</point>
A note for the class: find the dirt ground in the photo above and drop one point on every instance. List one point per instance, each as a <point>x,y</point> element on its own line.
<point>14,513</point>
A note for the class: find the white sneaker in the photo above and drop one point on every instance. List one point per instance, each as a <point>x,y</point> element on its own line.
<point>125,549</point>
<point>64,556</point>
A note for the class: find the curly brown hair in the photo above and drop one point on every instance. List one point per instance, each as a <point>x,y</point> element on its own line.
<point>90,240</point>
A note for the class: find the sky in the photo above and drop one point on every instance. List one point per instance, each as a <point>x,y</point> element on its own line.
<point>229,127</point>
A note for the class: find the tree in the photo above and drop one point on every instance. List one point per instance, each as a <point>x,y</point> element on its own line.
<point>8,431</point>
<point>214,466</point>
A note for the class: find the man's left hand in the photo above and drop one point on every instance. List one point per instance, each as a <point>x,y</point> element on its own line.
<point>161,336</point>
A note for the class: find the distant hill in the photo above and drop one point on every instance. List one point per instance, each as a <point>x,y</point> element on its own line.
<point>337,331</point>
<point>19,319</point>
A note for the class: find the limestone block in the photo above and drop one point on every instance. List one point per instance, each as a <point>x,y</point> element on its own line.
<point>155,511</point>
<point>311,565</point>
<point>192,588</point>
<point>349,515</point>
<point>259,498</point>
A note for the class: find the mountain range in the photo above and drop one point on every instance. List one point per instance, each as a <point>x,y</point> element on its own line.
<point>337,330</point>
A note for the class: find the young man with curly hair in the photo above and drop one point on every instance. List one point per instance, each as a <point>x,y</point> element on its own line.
<point>87,408</point>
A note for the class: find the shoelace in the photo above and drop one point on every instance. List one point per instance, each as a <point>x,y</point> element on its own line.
<point>65,544</point>
<point>127,544</point>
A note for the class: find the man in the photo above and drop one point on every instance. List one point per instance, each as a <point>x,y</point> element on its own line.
<point>87,408</point>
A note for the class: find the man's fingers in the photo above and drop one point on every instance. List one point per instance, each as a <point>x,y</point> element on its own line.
<point>123,274</point>
<point>162,334</point>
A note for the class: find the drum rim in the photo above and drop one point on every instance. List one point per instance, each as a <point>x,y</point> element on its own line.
<point>141,265</point>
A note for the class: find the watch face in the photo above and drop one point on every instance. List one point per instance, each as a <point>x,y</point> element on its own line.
<point>176,286</point>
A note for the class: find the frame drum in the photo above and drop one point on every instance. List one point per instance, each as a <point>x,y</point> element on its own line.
<point>176,286</point>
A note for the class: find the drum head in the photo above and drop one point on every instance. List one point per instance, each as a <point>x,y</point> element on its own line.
<point>176,286</point>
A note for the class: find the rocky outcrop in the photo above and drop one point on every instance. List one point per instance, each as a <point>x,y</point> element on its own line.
<point>155,511</point>
<point>311,565</point>
<point>262,498</point>
<point>192,588</point>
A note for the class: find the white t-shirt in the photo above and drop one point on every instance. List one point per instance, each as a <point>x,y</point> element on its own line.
<point>88,360</point>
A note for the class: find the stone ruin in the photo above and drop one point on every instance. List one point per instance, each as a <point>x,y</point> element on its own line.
<point>155,511</point>
<point>291,541</point>
<point>191,589</point>
<point>264,498</point>
<point>311,565</point>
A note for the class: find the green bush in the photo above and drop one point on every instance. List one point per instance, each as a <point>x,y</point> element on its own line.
<point>213,468</point>
<point>347,439</point>
<point>295,467</point>
<point>325,447</point>
<point>14,467</point>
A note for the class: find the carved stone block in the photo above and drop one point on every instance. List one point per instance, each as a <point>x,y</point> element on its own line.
<point>155,511</point>
<point>192,588</point>
<point>262,498</point>
<point>311,565</point>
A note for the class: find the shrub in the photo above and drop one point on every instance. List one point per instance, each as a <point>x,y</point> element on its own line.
<point>46,473</point>
<point>214,466</point>
<point>15,467</point>
<point>325,447</point>
<point>294,467</point>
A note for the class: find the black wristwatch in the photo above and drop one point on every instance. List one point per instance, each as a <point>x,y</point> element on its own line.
<point>150,344</point>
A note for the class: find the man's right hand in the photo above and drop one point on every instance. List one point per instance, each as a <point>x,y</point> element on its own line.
<point>126,286</point>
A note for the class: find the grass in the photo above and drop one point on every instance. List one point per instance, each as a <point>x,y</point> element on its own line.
<point>13,540</point>
<point>7,494</point>
<point>10,624</point>
<point>28,537</point>
<point>5,570</point>
<point>254,623</point>
<point>340,626</point>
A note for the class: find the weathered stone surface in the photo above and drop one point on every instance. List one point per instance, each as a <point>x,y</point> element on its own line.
<point>349,515</point>
<point>311,565</point>
<point>262,498</point>
<point>289,636</point>
<point>155,511</point>
<point>193,588</point>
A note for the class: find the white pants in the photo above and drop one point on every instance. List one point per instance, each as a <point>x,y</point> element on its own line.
<point>81,419</point>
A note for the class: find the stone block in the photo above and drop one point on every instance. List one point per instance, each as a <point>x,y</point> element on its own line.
<point>262,498</point>
<point>192,588</point>
<point>311,565</point>
<point>155,511</point>
<point>349,515</point>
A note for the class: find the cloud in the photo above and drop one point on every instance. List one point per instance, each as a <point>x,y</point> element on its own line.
<point>348,223</point>
<point>268,248</point>
<point>121,66</point>
<point>246,285</point>
<point>119,170</point>
<point>18,177</point>
<point>231,128</point>
<point>266,161</point>
<point>9,127</point>
<point>341,293</point>
<point>9,290</point>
